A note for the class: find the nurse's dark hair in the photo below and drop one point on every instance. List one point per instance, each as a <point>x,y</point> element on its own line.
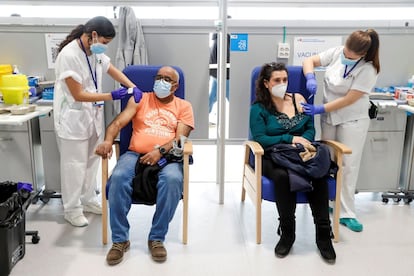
<point>102,25</point>
<point>365,43</point>
<point>262,93</point>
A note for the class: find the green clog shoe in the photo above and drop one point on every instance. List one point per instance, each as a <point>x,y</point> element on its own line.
<point>352,224</point>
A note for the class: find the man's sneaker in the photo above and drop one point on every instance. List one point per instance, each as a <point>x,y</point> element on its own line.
<point>116,253</point>
<point>95,208</point>
<point>77,220</point>
<point>158,251</point>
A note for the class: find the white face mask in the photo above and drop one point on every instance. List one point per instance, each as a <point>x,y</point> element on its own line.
<point>279,90</point>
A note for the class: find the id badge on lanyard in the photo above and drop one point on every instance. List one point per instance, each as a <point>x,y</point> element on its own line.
<point>97,77</point>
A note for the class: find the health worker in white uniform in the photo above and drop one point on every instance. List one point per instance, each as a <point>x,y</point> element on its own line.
<point>351,73</point>
<point>78,113</point>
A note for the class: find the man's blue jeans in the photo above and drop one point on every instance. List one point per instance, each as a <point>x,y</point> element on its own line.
<point>170,187</point>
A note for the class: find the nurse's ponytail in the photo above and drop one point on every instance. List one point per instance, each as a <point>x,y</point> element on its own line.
<point>365,43</point>
<point>373,51</point>
<point>74,34</point>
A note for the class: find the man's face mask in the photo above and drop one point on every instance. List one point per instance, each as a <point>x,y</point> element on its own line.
<point>97,47</point>
<point>279,90</point>
<point>162,88</point>
<point>347,61</point>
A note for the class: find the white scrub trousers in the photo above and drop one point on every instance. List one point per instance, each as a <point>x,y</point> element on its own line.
<point>353,135</point>
<point>78,168</point>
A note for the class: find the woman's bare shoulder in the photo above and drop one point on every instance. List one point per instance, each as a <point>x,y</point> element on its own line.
<point>299,97</point>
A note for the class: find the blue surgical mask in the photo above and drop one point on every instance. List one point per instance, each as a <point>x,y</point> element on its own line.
<point>347,61</point>
<point>98,48</point>
<point>162,88</point>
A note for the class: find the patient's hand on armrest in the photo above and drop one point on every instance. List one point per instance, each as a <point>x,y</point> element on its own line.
<point>104,149</point>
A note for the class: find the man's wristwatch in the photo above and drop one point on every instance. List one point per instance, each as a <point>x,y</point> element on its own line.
<point>162,150</point>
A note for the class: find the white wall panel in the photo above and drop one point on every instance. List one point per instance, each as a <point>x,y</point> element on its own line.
<point>185,43</point>
<point>255,3</point>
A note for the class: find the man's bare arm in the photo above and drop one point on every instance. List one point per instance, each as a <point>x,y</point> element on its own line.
<point>182,129</point>
<point>105,148</point>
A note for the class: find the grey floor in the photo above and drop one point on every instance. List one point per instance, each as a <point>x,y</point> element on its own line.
<point>222,236</point>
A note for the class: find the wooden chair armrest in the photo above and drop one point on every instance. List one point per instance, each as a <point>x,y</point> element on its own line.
<point>339,150</point>
<point>188,147</point>
<point>116,143</point>
<point>255,147</point>
<point>106,173</point>
<point>188,150</point>
<point>252,176</point>
<point>257,150</point>
<point>337,146</point>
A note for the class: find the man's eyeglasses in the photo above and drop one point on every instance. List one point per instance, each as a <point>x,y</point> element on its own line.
<point>166,78</point>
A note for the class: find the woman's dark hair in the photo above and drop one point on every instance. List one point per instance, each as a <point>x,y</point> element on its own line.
<point>102,25</point>
<point>262,93</point>
<point>365,43</point>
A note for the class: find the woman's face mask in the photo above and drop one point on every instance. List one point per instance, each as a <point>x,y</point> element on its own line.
<point>279,90</point>
<point>97,47</point>
<point>162,88</point>
<point>347,61</point>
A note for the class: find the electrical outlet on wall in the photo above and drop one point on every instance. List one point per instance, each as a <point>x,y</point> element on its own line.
<point>283,50</point>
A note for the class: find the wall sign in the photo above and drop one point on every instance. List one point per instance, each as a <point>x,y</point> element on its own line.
<point>52,46</point>
<point>305,47</point>
<point>239,42</point>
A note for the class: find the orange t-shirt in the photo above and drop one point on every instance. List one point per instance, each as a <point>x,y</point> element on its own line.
<point>155,123</point>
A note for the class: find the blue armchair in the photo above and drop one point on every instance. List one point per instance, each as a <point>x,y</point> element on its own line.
<point>261,188</point>
<point>143,77</point>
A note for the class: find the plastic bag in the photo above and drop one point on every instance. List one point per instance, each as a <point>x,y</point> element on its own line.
<point>13,197</point>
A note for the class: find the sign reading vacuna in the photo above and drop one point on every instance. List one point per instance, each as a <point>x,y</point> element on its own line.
<point>308,46</point>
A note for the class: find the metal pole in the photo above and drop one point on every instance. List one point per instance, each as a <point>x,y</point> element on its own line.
<point>221,96</point>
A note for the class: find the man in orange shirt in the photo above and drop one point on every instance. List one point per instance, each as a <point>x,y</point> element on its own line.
<point>158,121</point>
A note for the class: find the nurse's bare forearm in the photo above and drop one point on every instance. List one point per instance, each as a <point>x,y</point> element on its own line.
<point>351,97</point>
<point>80,95</point>
<point>93,97</point>
<point>307,66</point>
<point>310,63</point>
<point>120,77</point>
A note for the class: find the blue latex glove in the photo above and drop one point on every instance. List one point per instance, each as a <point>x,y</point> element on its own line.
<point>310,109</point>
<point>136,92</point>
<point>120,93</point>
<point>311,83</point>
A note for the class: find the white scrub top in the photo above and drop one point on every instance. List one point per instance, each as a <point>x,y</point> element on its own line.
<point>362,78</point>
<point>77,120</point>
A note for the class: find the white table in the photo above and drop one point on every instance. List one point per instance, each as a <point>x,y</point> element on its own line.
<point>20,147</point>
<point>9,119</point>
